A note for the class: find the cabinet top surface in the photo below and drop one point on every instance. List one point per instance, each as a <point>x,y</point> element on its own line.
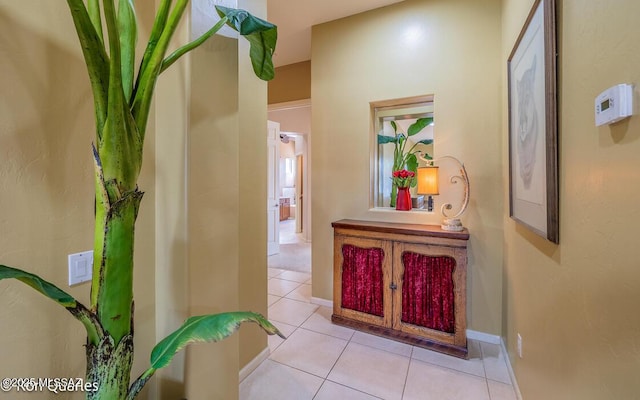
<point>406,229</point>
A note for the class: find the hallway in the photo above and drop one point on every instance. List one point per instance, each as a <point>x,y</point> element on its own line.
<point>295,254</point>
<point>323,361</point>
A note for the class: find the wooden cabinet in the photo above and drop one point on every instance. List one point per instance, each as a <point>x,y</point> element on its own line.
<point>285,208</point>
<point>403,281</point>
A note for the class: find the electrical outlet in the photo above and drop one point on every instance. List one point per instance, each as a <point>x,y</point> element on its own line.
<point>519,346</point>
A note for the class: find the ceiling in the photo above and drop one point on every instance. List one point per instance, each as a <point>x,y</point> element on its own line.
<point>295,18</point>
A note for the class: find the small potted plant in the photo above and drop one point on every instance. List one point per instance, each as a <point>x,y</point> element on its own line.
<point>403,180</point>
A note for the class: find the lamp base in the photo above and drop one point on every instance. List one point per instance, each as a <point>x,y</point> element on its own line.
<point>429,203</point>
<point>451,225</point>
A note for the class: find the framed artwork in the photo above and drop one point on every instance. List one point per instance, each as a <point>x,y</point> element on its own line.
<point>533,124</point>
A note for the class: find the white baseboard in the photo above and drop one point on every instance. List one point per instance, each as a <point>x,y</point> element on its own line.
<point>322,302</point>
<point>253,364</point>
<point>516,388</point>
<point>495,339</point>
<point>483,337</point>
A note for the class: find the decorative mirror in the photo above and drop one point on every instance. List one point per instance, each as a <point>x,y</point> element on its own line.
<point>402,129</point>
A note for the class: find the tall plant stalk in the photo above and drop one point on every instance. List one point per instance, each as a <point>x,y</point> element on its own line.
<point>122,99</point>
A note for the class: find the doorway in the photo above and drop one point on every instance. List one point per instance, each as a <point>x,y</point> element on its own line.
<point>293,251</point>
<point>294,119</point>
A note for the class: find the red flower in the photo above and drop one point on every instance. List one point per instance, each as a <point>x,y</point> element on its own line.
<point>403,178</point>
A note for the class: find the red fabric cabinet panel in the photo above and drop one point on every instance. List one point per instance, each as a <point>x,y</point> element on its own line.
<point>362,279</point>
<point>428,291</point>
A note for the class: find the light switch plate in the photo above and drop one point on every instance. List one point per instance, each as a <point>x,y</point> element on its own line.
<point>80,267</point>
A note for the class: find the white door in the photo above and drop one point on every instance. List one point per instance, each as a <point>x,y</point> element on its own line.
<point>273,189</point>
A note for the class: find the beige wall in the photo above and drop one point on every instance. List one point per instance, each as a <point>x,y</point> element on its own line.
<point>46,181</point>
<point>220,247</point>
<point>172,103</point>
<point>213,211</point>
<point>575,304</point>
<point>292,82</point>
<point>371,57</point>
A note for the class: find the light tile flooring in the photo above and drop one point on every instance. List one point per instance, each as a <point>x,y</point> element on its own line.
<point>323,361</point>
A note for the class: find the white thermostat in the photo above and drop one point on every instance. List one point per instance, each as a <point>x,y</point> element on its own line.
<point>614,104</point>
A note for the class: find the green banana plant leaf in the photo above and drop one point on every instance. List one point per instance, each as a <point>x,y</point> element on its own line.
<point>412,163</point>
<point>425,141</point>
<point>95,56</point>
<point>419,125</point>
<point>384,139</point>
<point>128,30</point>
<point>262,36</point>
<point>93,7</point>
<point>203,328</point>
<point>167,62</point>
<point>94,329</point>
<point>48,289</point>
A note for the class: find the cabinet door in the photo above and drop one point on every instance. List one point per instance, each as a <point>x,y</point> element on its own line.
<point>429,299</point>
<point>362,276</point>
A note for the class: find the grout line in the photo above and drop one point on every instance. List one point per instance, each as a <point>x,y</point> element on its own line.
<point>484,368</point>
<point>301,301</point>
<point>291,280</point>
<point>352,388</point>
<point>337,359</point>
<point>326,334</point>
<point>298,369</point>
<point>280,298</point>
<point>406,375</point>
<point>377,348</point>
<point>289,292</point>
<point>451,369</point>
<point>486,384</point>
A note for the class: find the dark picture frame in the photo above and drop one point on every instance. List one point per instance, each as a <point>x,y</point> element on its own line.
<point>533,124</point>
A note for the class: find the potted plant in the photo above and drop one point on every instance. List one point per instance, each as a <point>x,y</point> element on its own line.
<point>122,101</point>
<point>403,180</point>
<point>404,158</point>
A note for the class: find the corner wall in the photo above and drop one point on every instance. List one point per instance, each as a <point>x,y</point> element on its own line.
<point>213,212</point>
<point>575,304</point>
<point>449,49</point>
<point>214,144</point>
<point>252,222</point>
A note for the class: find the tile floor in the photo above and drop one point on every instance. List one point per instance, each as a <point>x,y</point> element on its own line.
<point>322,361</point>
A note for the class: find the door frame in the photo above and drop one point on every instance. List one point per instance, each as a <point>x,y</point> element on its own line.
<point>307,163</point>
<point>273,186</point>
